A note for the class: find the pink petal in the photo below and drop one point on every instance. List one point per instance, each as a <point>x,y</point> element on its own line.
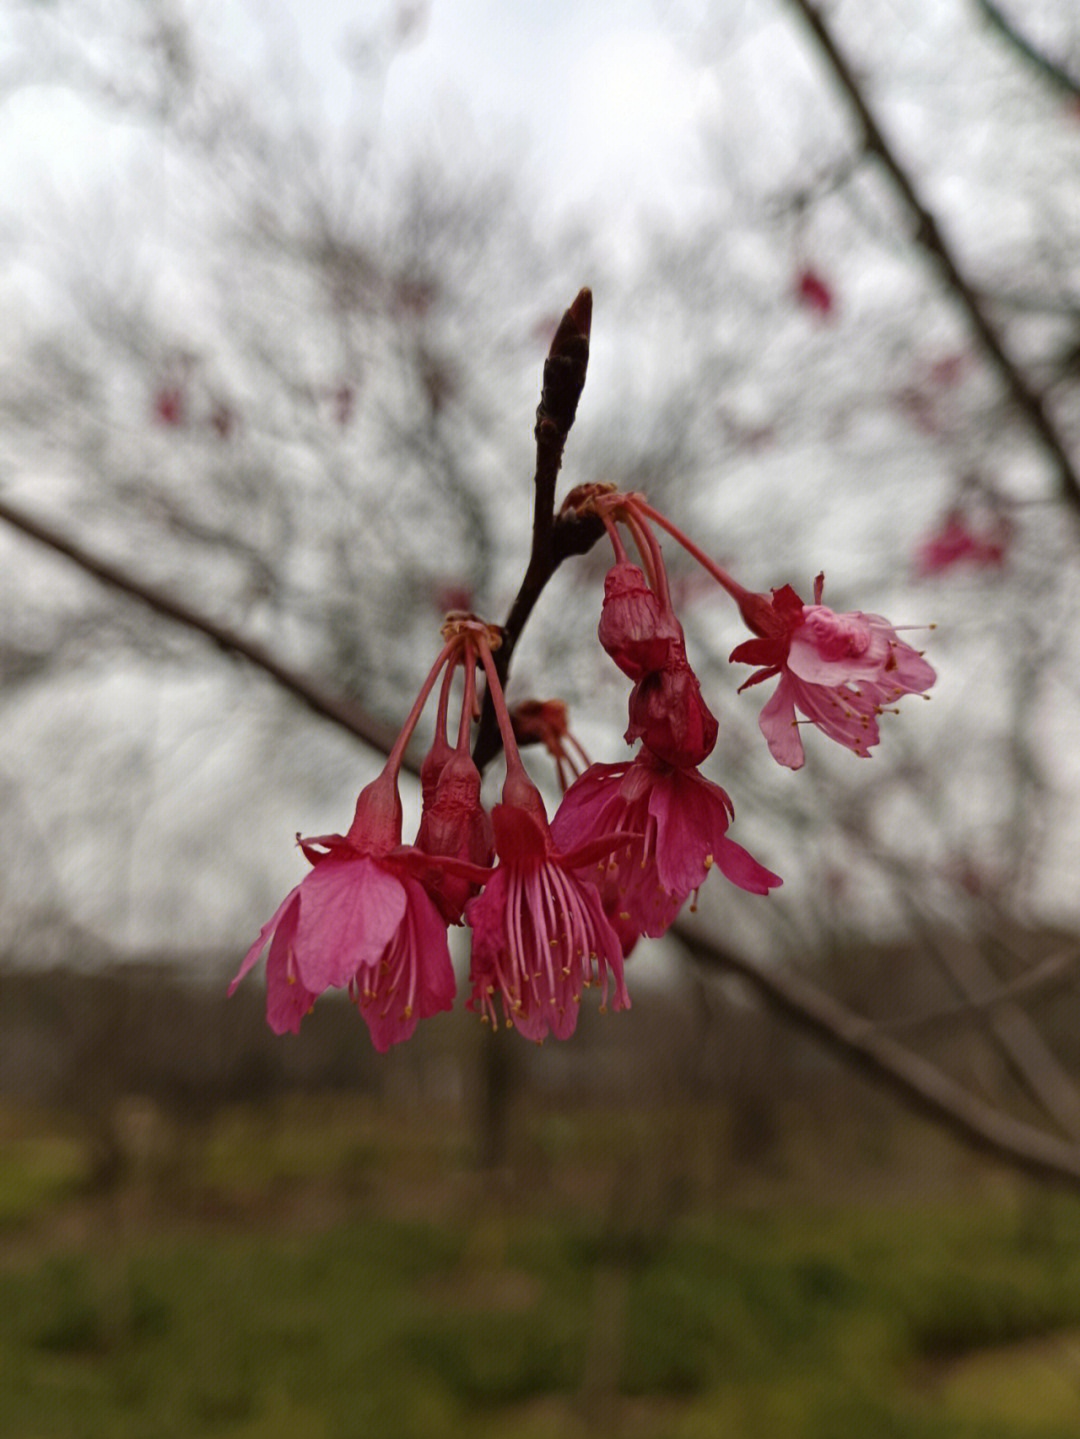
<point>691,816</point>
<point>252,956</point>
<point>349,910</point>
<point>846,715</point>
<point>777,721</point>
<point>287,1001</point>
<point>741,868</point>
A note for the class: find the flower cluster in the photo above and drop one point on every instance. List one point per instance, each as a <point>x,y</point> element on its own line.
<point>555,907</point>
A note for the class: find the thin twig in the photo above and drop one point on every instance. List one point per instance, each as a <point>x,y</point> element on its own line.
<point>1057,969</point>
<point>929,235</point>
<point>1049,69</point>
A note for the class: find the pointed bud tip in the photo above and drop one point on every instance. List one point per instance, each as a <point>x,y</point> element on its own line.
<point>581,310</point>
<point>574,325</point>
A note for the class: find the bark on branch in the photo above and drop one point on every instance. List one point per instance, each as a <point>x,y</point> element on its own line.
<point>915,1079</point>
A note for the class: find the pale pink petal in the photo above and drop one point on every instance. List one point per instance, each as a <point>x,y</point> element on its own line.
<point>846,715</point>
<point>777,722</point>
<point>833,649</point>
<point>910,672</point>
<point>349,910</point>
<point>252,956</point>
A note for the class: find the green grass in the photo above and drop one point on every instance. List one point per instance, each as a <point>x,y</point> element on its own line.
<point>521,1312</point>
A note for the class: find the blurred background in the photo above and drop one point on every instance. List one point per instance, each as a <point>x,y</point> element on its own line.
<point>278,285</point>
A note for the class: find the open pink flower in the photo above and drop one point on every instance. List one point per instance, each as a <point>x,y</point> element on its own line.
<point>838,670</point>
<point>361,921</point>
<point>678,823</point>
<point>540,935</point>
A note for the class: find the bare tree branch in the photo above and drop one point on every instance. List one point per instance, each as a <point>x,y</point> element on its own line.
<point>1058,76</point>
<point>913,1078</point>
<point>929,235</point>
<point>343,712</point>
<point>1056,970</point>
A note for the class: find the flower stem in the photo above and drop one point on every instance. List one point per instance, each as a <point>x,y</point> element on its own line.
<point>397,754</point>
<point>722,578</point>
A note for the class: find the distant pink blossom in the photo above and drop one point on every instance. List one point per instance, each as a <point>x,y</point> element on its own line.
<point>814,292</point>
<point>170,406</point>
<point>956,543</point>
<point>361,921</point>
<point>677,822</point>
<point>540,935</point>
<point>838,670</point>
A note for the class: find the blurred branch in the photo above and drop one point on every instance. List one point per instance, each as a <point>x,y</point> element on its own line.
<point>928,234</point>
<point>1056,74</point>
<point>1059,968</point>
<point>915,1079</point>
<point>345,713</point>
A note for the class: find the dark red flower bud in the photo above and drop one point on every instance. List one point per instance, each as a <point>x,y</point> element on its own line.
<point>668,714</point>
<point>637,631</point>
<point>454,824</point>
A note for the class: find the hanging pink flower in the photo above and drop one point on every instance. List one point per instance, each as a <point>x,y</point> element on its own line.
<point>361,921</point>
<point>540,935</point>
<point>677,822</point>
<point>838,670</point>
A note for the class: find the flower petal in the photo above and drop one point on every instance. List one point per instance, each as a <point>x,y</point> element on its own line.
<point>252,956</point>
<point>349,911</point>
<point>735,864</point>
<point>777,722</point>
<point>287,1001</point>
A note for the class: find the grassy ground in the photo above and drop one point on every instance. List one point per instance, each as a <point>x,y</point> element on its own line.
<point>326,1270</point>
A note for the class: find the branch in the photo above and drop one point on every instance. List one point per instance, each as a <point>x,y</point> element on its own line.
<point>553,540</point>
<point>1058,76</point>
<point>930,237</point>
<point>914,1079</point>
<point>342,712</point>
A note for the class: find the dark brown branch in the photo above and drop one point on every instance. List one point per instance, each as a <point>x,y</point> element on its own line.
<point>343,712</point>
<point>1049,69</point>
<point>913,1078</point>
<point>553,540</point>
<point>1029,401</point>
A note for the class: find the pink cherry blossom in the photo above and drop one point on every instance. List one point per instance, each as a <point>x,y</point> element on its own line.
<point>814,292</point>
<point>678,823</point>
<point>540,935</point>
<point>838,670</point>
<point>955,543</point>
<point>361,921</point>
